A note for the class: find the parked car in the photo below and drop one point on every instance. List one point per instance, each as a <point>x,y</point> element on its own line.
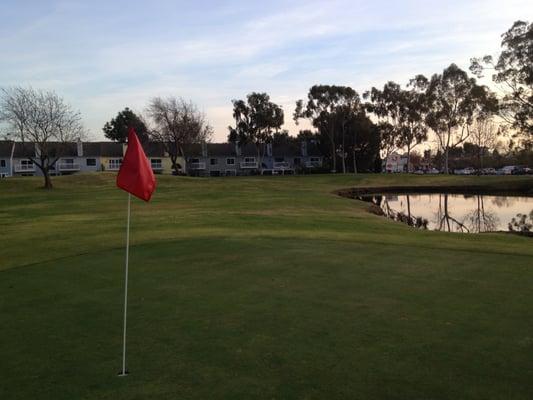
<point>488,171</point>
<point>508,169</point>
<point>465,171</point>
<point>433,171</point>
<point>519,170</point>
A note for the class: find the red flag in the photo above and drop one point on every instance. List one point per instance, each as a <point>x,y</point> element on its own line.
<point>136,175</point>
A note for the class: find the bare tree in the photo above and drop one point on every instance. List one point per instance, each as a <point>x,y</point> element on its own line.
<point>44,124</point>
<point>484,134</point>
<point>176,122</point>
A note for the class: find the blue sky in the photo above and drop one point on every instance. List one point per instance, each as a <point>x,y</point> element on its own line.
<point>102,56</point>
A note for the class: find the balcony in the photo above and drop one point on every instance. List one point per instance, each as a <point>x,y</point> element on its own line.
<point>24,168</point>
<point>68,167</point>
<point>281,165</point>
<point>196,166</point>
<point>249,165</point>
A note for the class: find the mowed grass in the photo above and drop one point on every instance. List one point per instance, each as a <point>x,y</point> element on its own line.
<point>267,287</point>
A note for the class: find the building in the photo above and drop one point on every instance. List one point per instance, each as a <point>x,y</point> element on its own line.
<point>395,163</point>
<point>7,147</point>
<point>202,159</point>
<point>77,157</point>
<point>227,159</point>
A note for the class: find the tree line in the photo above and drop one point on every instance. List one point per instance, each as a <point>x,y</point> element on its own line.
<point>353,131</point>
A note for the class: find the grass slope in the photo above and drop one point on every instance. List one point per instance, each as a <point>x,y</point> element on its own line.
<point>267,287</point>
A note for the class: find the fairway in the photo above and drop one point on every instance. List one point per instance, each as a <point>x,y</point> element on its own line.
<point>259,287</point>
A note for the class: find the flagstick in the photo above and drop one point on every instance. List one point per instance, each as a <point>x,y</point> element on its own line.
<point>124,373</point>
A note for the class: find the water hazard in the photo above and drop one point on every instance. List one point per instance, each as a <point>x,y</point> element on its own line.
<point>458,213</point>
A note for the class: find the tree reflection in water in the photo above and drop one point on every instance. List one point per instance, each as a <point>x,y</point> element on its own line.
<point>399,216</point>
<point>456,213</point>
<point>445,222</point>
<point>480,220</point>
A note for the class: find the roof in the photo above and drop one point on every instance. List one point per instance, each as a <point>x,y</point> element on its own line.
<point>221,149</point>
<point>153,149</point>
<point>6,146</point>
<point>23,150</point>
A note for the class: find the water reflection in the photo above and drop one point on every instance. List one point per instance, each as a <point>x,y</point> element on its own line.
<point>458,213</point>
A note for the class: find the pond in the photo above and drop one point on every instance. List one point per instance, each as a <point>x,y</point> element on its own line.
<point>457,212</point>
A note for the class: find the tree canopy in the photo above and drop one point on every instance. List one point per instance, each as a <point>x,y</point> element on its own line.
<point>513,73</point>
<point>117,128</point>
<point>256,119</point>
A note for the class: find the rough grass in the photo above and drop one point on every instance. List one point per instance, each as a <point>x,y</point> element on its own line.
<point>270,287</point>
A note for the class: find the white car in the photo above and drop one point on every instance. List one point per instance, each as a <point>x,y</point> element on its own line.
<point>465,171</point>
<point>433,171</point>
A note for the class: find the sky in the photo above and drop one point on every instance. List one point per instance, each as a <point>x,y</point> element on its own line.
<point>102,56</point>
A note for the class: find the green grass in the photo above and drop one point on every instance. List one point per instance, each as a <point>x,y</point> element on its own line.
<point>269,287</point>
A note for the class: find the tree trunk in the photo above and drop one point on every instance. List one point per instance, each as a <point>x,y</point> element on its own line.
<point>354,163</point>
<point>333,158</point>
<point>408,159</point>
<point>173,160</point>
<point>343,154</point>
<point>446,170</point>
<point>47,180</point>
<point>259,161</point>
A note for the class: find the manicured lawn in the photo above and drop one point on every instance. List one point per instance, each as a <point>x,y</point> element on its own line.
<point>271,288</point>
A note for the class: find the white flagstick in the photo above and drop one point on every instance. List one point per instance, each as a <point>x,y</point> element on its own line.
<point>124,373</point>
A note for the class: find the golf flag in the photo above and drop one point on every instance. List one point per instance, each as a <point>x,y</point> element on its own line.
<point>137,178</point>
<point>135,175</point>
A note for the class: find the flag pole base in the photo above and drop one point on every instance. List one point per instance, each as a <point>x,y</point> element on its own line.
<point>126,373</point>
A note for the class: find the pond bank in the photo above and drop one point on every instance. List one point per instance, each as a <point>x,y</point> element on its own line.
<point>513,188</point>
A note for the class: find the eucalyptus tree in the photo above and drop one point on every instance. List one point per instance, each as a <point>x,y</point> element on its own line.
<point>387,138</point>
<point>513,74</point>
<point>453,102</point>
<point>256,119</point>
<point>43,122</point>
<point>349,114</point>
<point>404,110</point>
<point>328,107</point>
<point>175,123</point>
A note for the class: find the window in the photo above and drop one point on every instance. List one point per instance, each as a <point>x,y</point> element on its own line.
<point>156,163</point>
<point>230,161</point>
<point>2,163</point>
<point>213,161</point>
<point>114,163</point>
<point>249,159</point>
<point>67,161</point>
<point>194,160</point>
<point>91,162</point>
